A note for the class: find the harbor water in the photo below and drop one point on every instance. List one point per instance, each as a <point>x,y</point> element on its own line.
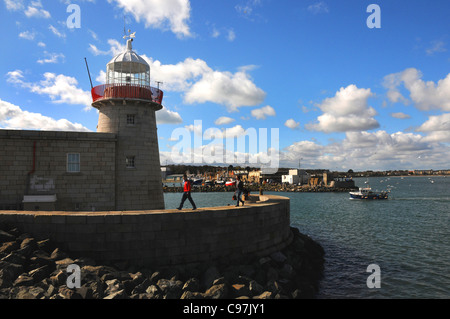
<point>407,236</point>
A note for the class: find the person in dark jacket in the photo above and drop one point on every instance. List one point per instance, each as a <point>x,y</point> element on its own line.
<point>187,193</point>
<point>239,191</point>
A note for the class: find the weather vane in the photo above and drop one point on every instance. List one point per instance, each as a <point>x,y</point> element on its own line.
<point>130,35</point>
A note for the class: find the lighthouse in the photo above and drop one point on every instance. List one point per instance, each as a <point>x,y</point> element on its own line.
<point>127,106</point>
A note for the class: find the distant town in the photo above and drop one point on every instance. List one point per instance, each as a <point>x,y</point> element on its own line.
<point>215,175</point>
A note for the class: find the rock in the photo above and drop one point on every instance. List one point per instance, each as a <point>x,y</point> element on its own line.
<point>6,237</point>
<point>255,288</point>
<point>264,261</point>
<point>30,293</point>
<point>217,292</point>
<point>40,273</point>
<point>51,290</point>
<point>155,277</point>
<point>192,285</point>
<point>113,286</point>
<point>142,287</point>
<point>59,278</point>
<point>171,289</point>
<point>98,289</point>
<point>271,274</point>
<point>278,257</point>
<point>192,295</point>
<point>63,263</point>
<point>39,261</point>
<point>264,295</point>
<point>67,293</point>
<point>211,274</point>
<point>154,292</point>
<point>44,245</point>
<point>23,280</point>
<point>8,247</point>
<point>57,254</point>
<point>15,258</point>
<point>10,271</point>
<point>238,290</point>
<point>29,242</point>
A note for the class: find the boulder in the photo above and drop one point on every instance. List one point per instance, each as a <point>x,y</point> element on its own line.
<point>5,237</point>
<point>217,292</point>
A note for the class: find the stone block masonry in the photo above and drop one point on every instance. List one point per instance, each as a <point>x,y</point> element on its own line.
<point>166,237</point>
<point>36,163</point>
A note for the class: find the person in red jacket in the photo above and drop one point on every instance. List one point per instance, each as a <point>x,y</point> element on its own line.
<point>187,193</point>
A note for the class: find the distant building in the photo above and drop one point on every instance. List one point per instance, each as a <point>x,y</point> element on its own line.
<point>296,176</point>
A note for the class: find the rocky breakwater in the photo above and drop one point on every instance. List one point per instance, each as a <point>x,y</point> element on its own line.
<point>37,269</point>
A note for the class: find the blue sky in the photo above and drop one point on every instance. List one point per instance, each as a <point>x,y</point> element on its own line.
<point>342,95</point>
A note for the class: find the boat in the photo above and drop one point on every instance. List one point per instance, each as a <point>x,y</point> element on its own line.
<point>367,193</point>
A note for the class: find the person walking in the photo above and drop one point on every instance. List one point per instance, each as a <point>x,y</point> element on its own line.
<point>239,191</point>
<point>187,193</point>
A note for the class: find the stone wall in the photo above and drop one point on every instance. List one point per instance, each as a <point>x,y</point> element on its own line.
<point>91,188</point>
<point>167,237</point>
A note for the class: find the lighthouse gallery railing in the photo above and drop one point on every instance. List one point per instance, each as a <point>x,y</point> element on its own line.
<point>126,91</point>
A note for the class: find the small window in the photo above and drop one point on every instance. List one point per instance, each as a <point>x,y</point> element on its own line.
<point>73,163</point>
<point>130,119</point>
<point>130,162</point>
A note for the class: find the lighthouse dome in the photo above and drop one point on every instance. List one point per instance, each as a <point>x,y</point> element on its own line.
<point>128,68</point>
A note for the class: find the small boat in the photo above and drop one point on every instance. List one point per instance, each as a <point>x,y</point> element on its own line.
<point>367,193</point>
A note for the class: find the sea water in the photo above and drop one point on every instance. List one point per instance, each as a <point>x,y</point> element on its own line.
<point>407,236</point>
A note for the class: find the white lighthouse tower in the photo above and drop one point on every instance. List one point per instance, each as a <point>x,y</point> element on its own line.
<point>127,106</point>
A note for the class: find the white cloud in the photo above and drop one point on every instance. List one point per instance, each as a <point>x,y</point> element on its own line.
<point>28,35</point>
<point>318,7</point>
<point>35,9</point>
<point>437,128</point>
<point>101,78</point>
<point>425,95</point>
<point>60,88</point>
<point>347,111</point>
<point>377,150</point>
<point>165,116</point>
<point>436,123</point>
<point>14,5</point>
<point>115,48</point>
<point>232,90</point>
<point>400,115</point>
<point>13,117</point>
<point>51,58</point>
<point>263,112</point>
<point>224,120</point>
<point>231,36</point>
<point>163,14</point>
<point>202,84</point>
<point>436,47</point>
<point>56,32</point>
<point>292,124</point>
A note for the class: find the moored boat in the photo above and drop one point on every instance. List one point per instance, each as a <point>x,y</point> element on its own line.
<point>367,193</point>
